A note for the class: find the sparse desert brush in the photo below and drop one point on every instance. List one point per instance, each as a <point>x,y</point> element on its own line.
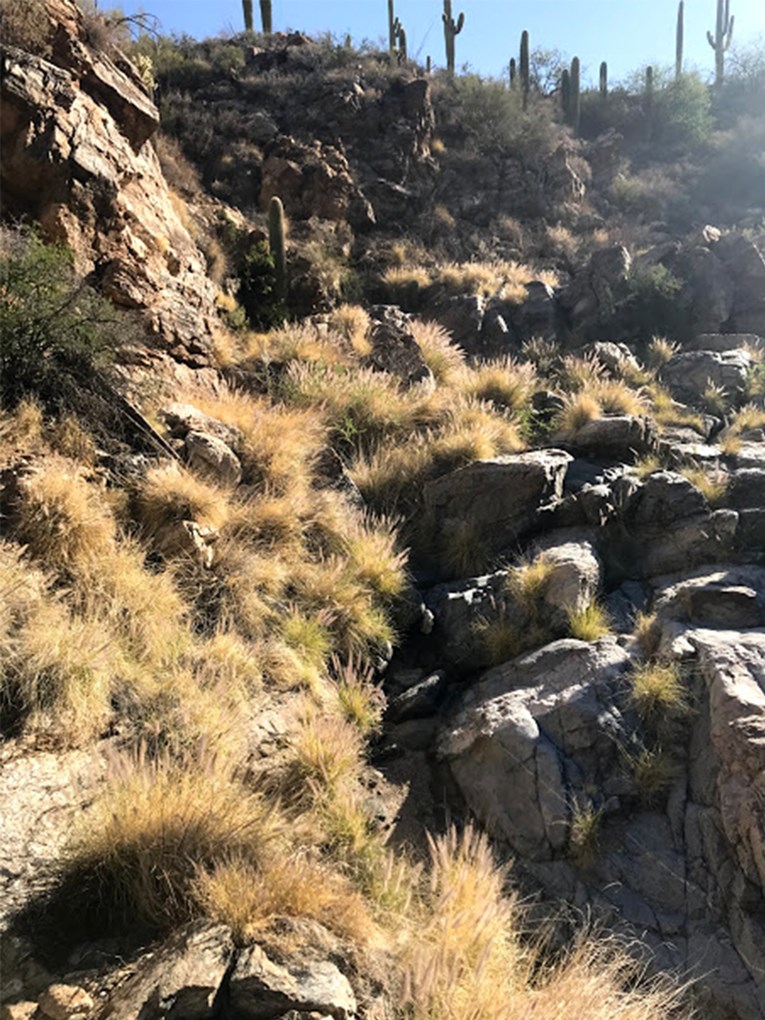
<point>712,484</point>
<point>579,410</point>
<point>331,587</point>
<point>292,342</point>
<point>247,898</point>
<point>60,675</point>
<point>543,354</point>
<point>590,623</point>
<point>748,417</point>
<point>464,958</point>
<point>361,407</point>
<point>505,279</point>
<point>443,358</point>
<point>271,521</point>
<point>584,832</point>
<point>390,478</point>
<point>139,851</point>
<point>657,690</point>
<point>466,551</point>
<point>474,430</point>
<point>352,323</point>
<point>528,580</point>
<point>660,351</point>
<point>168,496</point>
<point>325,753</point>
<point>23,587</point>
<point>360,699</point>
<point>562,242</point>
<point>70,438</point>
<point>654,770</point>
<point>504,382</point>
<point>716,400</point>
<point>225,659</point>
<point>279,443</point>
<point>22,428</point>
<point>616,397</point>
<point>62,519</point>
<point>647,633</point>
<point>501,640</point>
<point>578,374</point>
<point>647,465</point>
<point>667,411</point>
<point>377,561</point>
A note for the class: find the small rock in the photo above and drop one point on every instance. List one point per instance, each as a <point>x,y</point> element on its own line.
<point>210,456</point>
<point>64,1002</point>
<point>18,1011</point>
<point>262,989</point>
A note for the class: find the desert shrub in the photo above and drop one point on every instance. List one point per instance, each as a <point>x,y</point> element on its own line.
<point>24,23</point>
<point>653,305</point>
<point>258,292</point>
<point>680,114</point>
<point>51,324</point>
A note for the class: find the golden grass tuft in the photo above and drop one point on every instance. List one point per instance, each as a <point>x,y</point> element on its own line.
<point>325,753</point>
<point>579,410</point>
<point>584,833</point>
<point>712,484</point>
<point>616,397</point>
<point>352,323</point>
<point>140,850</point>
<point>528,580</point>
<point>654,771</point>
<point>658,691</point>
<point>70,438</point>
<point>660,351</point>
<point>590,623</point>
<point>444,358</point>
<point>647,633</point>
<point>503,382</point>
<point>247,897</point>
<point>170,494</point>
<point>361,700</point>
<point>62,519</point>
<point>371,545</point>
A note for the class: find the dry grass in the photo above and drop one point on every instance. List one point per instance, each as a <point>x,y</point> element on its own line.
<point>579,410</point>
<point>62,519</point>
<point>654,771</point>
<point>170,495</point>
<point>712,484</point>
<point>580,373</point>
<point>247,897</point>
<point>503,382</point>
<point>667,411</point>
<point>660,351</point>
<point>590,623</point>
<point>325,754</point>
<point>377,562</point>
<point>444,359</point>
<point>70,438</point>
<point>528,580</point>
<point>141,848</point>
<point>361,701</point>
<point>352,323</point>
<point>658,690</point>
<point>647,633</point>
<point>616,397</point>
<point>584,833</point>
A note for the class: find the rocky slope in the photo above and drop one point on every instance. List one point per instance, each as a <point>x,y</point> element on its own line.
<point>579,637</point>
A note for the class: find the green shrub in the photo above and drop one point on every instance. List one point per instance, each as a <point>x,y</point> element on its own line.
<point>653,306</point>
<point>681,113</point>
<point>51,323</point>
<point>23,23</point>
<point>258,292</point>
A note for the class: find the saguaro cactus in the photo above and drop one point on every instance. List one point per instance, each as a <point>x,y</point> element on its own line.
<point>525,68</point>
<point>247,11</point>
<point>266,16</point>
<point>576,96</point>
<point>391,27</point>
<point>565,94</point>
<point>604,79</point>
<point>679,39</point>
<point>513,72</point>
<point>277,243</point>
<point>400,48</point>
<point>452,29</point>
<point>722,37</point>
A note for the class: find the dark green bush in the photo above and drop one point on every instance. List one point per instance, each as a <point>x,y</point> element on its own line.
<point>51,324</point>
<point>653,307</point>
<point>257,288</point>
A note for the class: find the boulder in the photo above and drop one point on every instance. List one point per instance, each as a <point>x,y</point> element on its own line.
<point>524,741</point>
<point>708,288</point>
<point>664,498</point>
<point>263,989</point>
<point>180,979</point>
<point>746,489</point>
<point>744,259</point>
<point>537,315</point>
<point>598,291</point>
<point>498,499</point>
<point>394,350</point>
<point>690,373</point>
<point>618,359</point>
<point>184,418</point>
<point>211,457</point>
<point>462,316</point>
<point>575,575</point>
<point>724,342</point>
<point>728,597</point>
<point>620,437</point>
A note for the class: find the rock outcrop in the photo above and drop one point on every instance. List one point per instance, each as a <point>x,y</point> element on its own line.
<point>78,159</point>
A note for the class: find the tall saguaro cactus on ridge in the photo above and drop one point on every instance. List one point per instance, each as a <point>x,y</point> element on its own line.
<point>722,37</point>
<point>391,27</point>
<point>452,29</point>
<point>525,68</point>
<point>576,95</point>
<point>604,80</point>
<point>266,16</point>
<point>247,11</point>
<point>679,39</point>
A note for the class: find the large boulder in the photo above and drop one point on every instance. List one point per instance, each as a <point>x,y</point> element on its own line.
<point>498,500</point>
<point>622,437</point>
<point>689,374</point>
<point>730,597</point>
<point>598,291</point>
<point>524,741</point>
<point>745,261</point>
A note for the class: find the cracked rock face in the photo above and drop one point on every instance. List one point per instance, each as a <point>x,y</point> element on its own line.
<point>77,157</point>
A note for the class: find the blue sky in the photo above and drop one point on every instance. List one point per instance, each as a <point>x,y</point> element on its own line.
<point>626,33</point>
